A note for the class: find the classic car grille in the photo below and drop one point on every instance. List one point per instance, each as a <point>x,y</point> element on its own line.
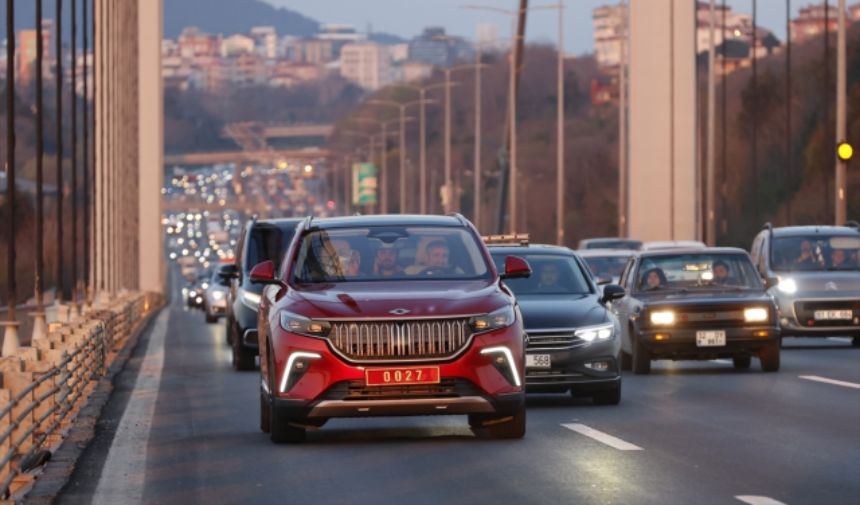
<point>715,316</point>
<point>553,340</point>
<point>805,312</point>
<point>397,340</point>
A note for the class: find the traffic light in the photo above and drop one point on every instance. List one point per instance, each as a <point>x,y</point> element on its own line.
<point>845,151</point>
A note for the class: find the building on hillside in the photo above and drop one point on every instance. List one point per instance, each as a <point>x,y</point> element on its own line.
<point>608,29</point>
<point>25,56</point>
<point>813,20</point>
<point>265,41</point>
<point>412,71</point>
<point>287,74</point>
<point>236,45</point>
<point>366,63</point>
<point>435,47</point>
<point>309,50</point>
<point>340,35</point>
<point>399,52</point>
<point>193,43</point>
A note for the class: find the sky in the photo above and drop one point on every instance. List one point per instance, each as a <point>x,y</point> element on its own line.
<point>407,18</point>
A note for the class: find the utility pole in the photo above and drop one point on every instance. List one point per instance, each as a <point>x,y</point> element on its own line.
<point>40,327</point>
<point>476,206</point>
<point>560,130</point>
<point>710,224</point>
<point>623,177</point>
<point>840,115</point>
<point>10,336</point>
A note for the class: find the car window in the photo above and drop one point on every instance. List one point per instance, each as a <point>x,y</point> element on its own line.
<point>267,243</point>
<point>816,252</point>
<point>606,266</point>
<point>551,274</point>
<point>703,271</point>
<point>389,253</point>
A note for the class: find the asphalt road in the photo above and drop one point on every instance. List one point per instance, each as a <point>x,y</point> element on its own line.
<point>182,427</point>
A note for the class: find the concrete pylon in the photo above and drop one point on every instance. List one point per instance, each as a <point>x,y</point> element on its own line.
<point>40,327</point>
<point>11,343</point>
<point>663,174</point>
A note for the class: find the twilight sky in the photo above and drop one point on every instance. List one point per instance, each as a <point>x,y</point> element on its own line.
<point>408,17</point>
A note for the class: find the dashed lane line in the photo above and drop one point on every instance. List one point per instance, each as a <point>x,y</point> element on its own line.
<point>758,500</point>
<point>602,437</point>
<point>835,382</point>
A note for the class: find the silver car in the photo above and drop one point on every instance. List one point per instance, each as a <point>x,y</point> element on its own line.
<point>813,273</point>
<point>215,296</point>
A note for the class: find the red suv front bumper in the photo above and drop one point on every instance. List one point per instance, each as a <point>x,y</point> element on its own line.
<point>310,381</point>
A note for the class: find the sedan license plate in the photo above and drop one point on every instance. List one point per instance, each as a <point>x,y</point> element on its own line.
<point>538,361</point>
<point>402,376</point>
<point>711,338</point>
<point>833,315</point>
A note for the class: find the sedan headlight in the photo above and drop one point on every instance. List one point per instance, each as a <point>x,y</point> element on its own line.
<point>217,295</point>
<point>663,317</point>
<point>598,332</point>
<point>295,323</point>
<point>251,300</point>
<point>787,286</point>
<point>501,318</point>
<point>755,315</point>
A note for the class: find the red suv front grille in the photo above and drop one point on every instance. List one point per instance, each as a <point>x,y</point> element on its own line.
<point>399,340</point>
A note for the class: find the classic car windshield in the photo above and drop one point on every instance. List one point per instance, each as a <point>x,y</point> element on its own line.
<point>606,266</point>
<point>697,271</point>
<point>816,253</point>
<point>551,275</point>
<point>389,253</point>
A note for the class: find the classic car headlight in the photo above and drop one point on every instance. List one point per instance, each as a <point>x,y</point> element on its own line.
<point>663,317</point>
<point>787,286</point>
<point>303,326</point>
<point>598,332</point>
<point>501,318</point>
<point>755,315</point>
<point>251,300</point>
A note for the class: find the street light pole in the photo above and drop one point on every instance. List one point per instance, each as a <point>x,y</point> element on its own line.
<point>476,193</point>
<point>422,127</point>
<point>560,130</point>
<point>710,215</point>
<point>840,114</point>
<point>623,175</point>
<point>10,336</point>
<point>385,209</point>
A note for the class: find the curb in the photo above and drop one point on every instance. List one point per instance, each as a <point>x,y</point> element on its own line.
<point>57,473</point>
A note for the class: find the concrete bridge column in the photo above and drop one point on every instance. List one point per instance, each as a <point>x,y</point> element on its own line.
<point>663,120</point>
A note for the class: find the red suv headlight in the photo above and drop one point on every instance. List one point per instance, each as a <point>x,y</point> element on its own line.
<point>303,326</point>
<point>501,318</point>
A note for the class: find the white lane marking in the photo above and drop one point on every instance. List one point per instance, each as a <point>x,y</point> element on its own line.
<point>830,381</point>
<point>846,340</point>
<point>604,438</point>
<point>124,470</point>
<point>758,500</point>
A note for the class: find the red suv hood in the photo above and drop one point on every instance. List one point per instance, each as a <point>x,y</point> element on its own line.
<point>392,299</point>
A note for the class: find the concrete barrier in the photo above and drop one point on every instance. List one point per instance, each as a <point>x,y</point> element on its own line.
<point>42,388</point>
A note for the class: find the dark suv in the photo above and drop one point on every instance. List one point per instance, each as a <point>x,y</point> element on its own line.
<point>263,240</point>
<point>390,316</point>
<point>573,337</point>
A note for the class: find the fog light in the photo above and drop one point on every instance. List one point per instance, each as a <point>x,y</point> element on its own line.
<point>784,321</point>
<point>761,333</point>
<point>661,336</point>
<point>600,366</point>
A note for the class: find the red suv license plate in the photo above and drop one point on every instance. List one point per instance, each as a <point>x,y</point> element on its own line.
<point>400,376</point>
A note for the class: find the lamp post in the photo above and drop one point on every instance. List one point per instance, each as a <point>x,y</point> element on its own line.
<point>841,161</point>
<point>512,96</point>
<point>10,336</point>
<point>401,106</point>
<point>383,175</point>
<point>422,132</point>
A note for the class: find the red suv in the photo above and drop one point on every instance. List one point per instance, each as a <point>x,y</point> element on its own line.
<point>389,316</point>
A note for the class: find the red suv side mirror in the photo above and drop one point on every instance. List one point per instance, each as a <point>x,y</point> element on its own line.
<point>516,268</point>
<point>264,273</point>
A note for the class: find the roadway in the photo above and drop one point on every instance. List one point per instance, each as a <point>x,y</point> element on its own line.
<point>182,427</point>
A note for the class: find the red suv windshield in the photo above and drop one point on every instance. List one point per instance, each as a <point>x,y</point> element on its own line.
<point>389,253</point>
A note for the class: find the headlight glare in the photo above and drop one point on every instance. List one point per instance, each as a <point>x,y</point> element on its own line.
<point>787,286</point>
<point>663,317</point>
<point>501,318</point>
<point>599,332</point>
<point>755,315</point>
<point>304,326</point>
<point>252,300</point>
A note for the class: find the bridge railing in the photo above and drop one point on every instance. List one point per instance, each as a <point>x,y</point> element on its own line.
<point>43,388</point>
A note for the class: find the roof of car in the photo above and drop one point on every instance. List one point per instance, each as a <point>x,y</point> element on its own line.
<point>604,253</point>
<point>293,221</point>
<point>690,250</point>
<point>789,231</point>
<point>514,249</point>
<point>388,220</point>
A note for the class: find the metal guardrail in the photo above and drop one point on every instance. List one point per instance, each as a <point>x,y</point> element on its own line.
<point>29,427</point>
